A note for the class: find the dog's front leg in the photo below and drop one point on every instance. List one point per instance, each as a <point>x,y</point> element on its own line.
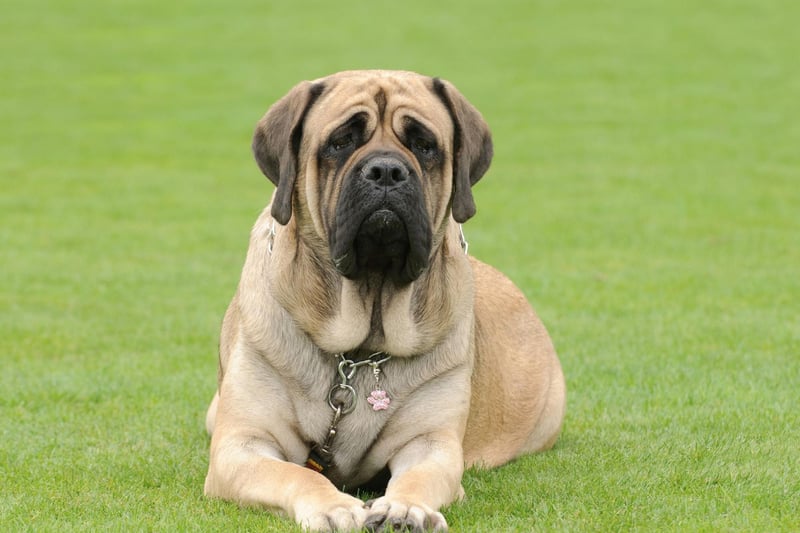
<point>251,471</point>
<point>426,474</point>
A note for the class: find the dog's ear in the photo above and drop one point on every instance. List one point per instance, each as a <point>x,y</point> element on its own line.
<point>276,143</point>
<point>472,147</point>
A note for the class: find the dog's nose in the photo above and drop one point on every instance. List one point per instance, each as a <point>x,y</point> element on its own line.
<point>385,171</point>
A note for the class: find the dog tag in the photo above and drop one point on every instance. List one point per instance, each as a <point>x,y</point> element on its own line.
<point>379,400</point>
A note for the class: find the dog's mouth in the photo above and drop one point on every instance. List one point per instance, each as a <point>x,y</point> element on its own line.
<point>381,228</point>
<point>381,245</point>
<point>382,242</point>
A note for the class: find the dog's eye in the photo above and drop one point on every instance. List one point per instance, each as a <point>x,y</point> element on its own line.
<point>341,141</point>
<point>423,145</point>
<point>420,140</point>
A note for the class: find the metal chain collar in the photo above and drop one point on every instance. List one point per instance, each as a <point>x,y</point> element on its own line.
<point>463,240</point>
<point>347,369</point>
<point>342,400</point>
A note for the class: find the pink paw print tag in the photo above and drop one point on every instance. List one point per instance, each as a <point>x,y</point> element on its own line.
<point>379,400</point>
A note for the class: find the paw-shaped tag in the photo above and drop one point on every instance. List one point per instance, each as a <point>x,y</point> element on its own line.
<point>379,400</point>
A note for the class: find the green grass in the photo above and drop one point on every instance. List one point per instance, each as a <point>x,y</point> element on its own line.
<point>645,195</point>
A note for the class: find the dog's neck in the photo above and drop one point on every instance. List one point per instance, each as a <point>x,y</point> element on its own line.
<point>370,313</point>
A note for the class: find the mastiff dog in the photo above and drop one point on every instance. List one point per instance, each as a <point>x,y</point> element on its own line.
<point>363,344</point>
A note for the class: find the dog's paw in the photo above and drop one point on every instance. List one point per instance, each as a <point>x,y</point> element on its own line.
<point>345,514</point>
<point>392,515</point>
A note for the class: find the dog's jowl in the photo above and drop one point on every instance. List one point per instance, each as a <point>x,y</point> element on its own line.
<point>362,338</point>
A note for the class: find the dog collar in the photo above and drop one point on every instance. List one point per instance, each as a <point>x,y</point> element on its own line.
<point>342,400</point>
<point>271,237</point>
<point>461,239</point>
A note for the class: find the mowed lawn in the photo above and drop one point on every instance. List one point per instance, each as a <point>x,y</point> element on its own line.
<point>645,195</point>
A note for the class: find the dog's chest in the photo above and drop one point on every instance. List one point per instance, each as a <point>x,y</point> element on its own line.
<point>342,420</point>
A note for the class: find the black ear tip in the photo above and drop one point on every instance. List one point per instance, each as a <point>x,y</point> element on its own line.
<point>464,210</point>
<point>280,213</point>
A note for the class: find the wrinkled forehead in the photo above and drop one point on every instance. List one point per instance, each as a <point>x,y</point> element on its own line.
<point>386,97</point>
